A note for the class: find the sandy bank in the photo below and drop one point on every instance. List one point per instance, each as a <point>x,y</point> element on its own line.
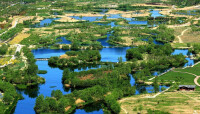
<point>84,14</point>
<point>67,19</point>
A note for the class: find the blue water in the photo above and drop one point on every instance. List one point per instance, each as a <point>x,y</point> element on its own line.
<point>103,11</point>
<point>186,53</point>
<point>82,111</point>
<point>64,40</point>
<point>90,19</point>
<point>112,54</point>
<point>156,13</point>
<point>45,22</point>
<point>53,82</point>
<point>47,53</point>
<point>154,41</point>
<point>114,16</point>
<point>142,89</point>
<point>104,40</point>
<point>138,22</point>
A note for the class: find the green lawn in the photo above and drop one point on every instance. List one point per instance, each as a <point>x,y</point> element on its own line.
<point>194,70</point>
<point>183,78</point>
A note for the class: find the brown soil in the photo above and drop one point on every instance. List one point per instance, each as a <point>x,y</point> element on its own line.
<point>78,101</point>
<point>64,56</point>
<point>67,19</point>
<point>67,108</point>
<point>67,85</point>
<point>88,77</point>
<point>84,14</point>
<point>107,72</point>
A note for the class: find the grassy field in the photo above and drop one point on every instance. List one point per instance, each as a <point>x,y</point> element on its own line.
<point>194,70</point>
<point>183,78</point>
<point>179,45</point>
<point>168,102</point>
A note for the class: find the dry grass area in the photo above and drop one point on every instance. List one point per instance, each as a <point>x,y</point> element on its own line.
<point>87,77</point>
<point>171,102</point>
<point>177,32</point>
<point>89,14</point>
<point>19,38</point>
<point>4,60</point>
<point>156,5</point>
<point>191,37</point>
<point>128,40</point>
<point>188,37</point>
<point>129,14</point>
<point>67,19</point>
<point>49,30</point>
<point>189,8</point>
<point>142,14</point>
<point>78,101</point>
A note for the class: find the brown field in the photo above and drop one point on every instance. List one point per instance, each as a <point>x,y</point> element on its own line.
<point>191,37</point>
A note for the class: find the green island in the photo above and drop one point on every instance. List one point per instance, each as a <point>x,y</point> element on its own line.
<point>99,56</point>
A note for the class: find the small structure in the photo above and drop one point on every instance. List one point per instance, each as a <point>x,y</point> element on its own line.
<point>187,87</point>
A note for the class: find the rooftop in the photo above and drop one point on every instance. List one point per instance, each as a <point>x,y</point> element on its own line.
<point>188,86</point>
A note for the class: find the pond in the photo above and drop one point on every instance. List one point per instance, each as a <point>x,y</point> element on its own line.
<point>144,89</point>
<point>186,53</point>
<point>90,19</point>
<point>113,54</point>
<point>63,40</point>
<point>44,23</point>
<point>156,13</point>
<point>104,40</point>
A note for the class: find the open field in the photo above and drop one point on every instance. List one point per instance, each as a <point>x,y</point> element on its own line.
<point>186,35</point>
<point>19,38</point>
<point>168,102</point>
<point>195,70</point>
<point>190,36</point>
<point>183,78</point>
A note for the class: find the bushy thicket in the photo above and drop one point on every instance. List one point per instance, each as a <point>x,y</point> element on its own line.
<point>76,58</point>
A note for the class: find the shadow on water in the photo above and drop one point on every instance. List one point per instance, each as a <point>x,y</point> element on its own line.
<point>144,88</point>
<point>94,108</point>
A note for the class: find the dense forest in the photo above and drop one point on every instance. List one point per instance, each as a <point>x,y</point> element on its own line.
<point>75,58</point>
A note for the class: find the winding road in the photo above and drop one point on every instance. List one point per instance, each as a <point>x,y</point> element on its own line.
<point>182,33</point>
